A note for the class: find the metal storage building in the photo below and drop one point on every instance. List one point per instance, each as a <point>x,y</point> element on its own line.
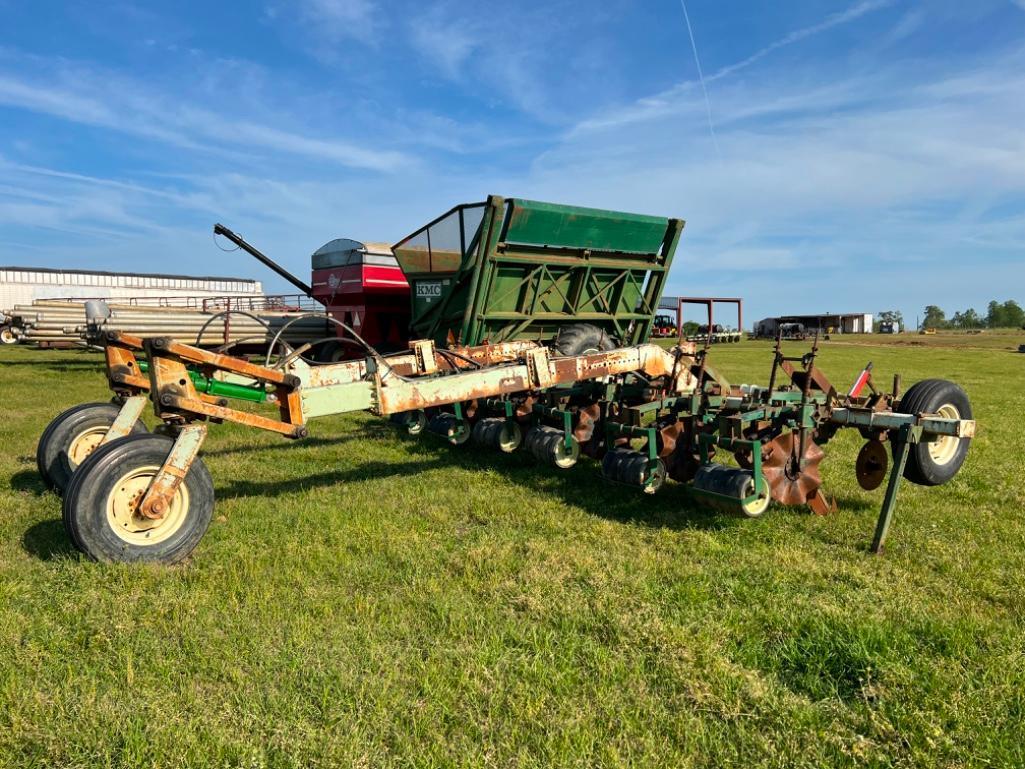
<point>22,285</point>
<point>827,322</point>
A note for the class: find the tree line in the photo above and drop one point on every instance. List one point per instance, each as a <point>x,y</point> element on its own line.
<point>1007,314</point>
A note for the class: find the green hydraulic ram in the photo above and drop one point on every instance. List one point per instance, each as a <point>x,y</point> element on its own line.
<point>220,389</point>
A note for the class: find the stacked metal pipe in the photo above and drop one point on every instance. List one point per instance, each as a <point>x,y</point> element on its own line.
<point>48,322</point>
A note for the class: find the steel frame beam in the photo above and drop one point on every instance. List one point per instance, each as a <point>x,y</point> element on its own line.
<point>430,378</point>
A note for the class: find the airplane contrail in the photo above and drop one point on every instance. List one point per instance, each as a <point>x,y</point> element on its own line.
<point>701,77</point>
<point>841,17</point>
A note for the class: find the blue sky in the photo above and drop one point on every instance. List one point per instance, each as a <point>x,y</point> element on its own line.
<point>865,155</point>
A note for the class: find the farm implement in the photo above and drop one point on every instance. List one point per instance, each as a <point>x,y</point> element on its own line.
<point>530,327</point>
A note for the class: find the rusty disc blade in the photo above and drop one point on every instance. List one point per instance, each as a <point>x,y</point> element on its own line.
<point>587,418</point>
<point>791,482</point>
<point>683,462</point>
<point>873,460</point>
<point>668,435</point>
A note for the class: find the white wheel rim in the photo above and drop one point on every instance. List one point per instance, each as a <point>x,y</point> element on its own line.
<point>653,481</point>
<point>510,437</point>
<point>84,444</point>
<point>566,457</point>
<point>123,503</point>
<point>943,449</point>
<point>416,423</point>
<point>760,505</point>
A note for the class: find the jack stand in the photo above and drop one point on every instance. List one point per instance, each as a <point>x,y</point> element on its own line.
<point>908,434</point>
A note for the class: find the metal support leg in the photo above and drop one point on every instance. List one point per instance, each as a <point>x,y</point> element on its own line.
<point>461,425</point>
<point>165,485</point>
<point>651,448</point>
<point>904,440</point>
<point>540,410</point>
<point>756,467</point>
<point>126,418</point>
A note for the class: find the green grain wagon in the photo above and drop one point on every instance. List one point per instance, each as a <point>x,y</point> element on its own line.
<point>514,269</point>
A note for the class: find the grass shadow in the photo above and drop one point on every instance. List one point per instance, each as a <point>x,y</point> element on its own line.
<point>284,444</point>
<point>857,504</point>
<point>365,472</point>
<point>48,541</point>
<point>581,487</point>
<point>28,480</point>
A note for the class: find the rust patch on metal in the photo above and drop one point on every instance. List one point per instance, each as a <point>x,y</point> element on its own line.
<point>818,380</point>
<point>668,435</point>
<point>587,419</point>
<point>792,480</point>
<point>160,494</point>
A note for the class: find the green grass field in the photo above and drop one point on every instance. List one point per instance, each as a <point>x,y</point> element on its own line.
<point>369,599</point>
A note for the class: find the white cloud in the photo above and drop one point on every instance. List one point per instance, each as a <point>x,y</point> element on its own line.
<point>869,185</point>
<point>92,99</point>
<point>484,50</point>
<point>446,38</point>
<point>340,19</point>
<point>76,107</point>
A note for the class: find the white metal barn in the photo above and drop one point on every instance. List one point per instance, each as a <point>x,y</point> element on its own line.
<point>22,285</point>
<point>828,323</point>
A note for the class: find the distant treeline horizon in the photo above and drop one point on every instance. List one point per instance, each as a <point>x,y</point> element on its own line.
<point>1008,314</point>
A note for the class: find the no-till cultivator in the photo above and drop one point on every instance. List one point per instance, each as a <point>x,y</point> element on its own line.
<point>530,329</point>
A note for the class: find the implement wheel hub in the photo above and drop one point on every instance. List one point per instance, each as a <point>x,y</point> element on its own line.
<point>84,444</point>
<point>128,522</point>
<point>943,449</point>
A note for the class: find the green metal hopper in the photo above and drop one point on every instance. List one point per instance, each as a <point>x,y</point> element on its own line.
<point>510,269</point>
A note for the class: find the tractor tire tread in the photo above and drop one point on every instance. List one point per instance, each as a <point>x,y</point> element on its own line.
<point>578,338</point>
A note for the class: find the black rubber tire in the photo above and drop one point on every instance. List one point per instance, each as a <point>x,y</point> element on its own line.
<point>413,422</point>
<point>547,444</point>
<point>928,397</point>
<point>70,490</point>
<point>333,352</point>
<point>85,503</point>
<point>582,338</point>
<point>55,467</point>
<point>447,425</point>
<point>7,335</point>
